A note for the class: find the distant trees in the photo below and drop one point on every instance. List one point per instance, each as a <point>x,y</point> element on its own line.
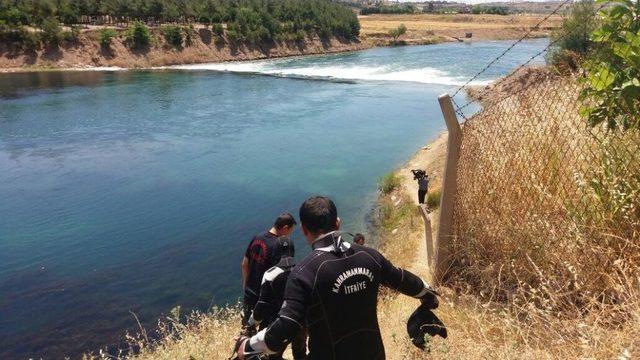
<point>492,10</point>
<point>388,9</point>
<point>247,20</point>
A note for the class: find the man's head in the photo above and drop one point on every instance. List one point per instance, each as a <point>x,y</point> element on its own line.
<point>318,215</point>
<point>358,239</point>
<point>284,224</point>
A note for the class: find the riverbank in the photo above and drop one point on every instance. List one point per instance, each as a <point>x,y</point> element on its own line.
<point>85,52</point>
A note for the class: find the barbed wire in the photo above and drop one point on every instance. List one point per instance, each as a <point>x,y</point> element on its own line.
<point>525,36</point>
<point>500,81</point>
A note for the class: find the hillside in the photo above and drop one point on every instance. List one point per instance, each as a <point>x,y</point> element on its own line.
<point>84,50</point>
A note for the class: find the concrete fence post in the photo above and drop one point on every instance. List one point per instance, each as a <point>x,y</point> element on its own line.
<point>428,237</point>
<point>448,195</point>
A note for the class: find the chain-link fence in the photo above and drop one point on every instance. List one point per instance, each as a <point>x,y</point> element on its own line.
<point>544,202</point>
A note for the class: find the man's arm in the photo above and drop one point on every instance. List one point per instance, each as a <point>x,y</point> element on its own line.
<point>245,271</point>
<point>279,334</point>
<point>264,306</point>
<point>407,283</point>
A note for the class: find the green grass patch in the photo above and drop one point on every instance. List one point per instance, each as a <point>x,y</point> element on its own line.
<point>433,199</point>
<point>389,182</point>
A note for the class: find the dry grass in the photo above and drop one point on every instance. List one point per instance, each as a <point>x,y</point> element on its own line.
<point>548,220</point>
<point>429,28</point>
<point>203,336</point>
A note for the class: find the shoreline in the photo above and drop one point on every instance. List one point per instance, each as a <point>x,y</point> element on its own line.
<point>79,68</point>
<point>86,53</point>
<point>351,47</point>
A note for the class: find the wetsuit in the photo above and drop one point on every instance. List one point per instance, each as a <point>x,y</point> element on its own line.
<point>270,302</point>
<point>334,292</point>
<point>262,253</point>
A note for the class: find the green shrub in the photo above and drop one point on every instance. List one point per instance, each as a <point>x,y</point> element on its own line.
<point>51,31</point>
<point>172,35</point>
<point>138,35</point>
<point>572,40</point>
<point>72,36</point>
<point>433,199</point>
<point>217,29</point>
<point>613,71</point>
<point>389,182</point>
<point>189,35</point>
<point>299,35</point>
<point>106,37</point>
<point>18,36</point>
<point>233,36</point>
<point>397,32</point>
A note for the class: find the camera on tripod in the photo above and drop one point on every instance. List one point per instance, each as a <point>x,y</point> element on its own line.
<point>418,174</point>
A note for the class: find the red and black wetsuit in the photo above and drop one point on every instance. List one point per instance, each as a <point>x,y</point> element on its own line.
<point>262,254</point>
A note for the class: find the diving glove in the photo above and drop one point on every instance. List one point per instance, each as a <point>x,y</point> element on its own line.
<point>424,321</point>
<point>249,353</point>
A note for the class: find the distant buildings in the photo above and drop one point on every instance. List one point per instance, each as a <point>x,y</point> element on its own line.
<point>514,7</point>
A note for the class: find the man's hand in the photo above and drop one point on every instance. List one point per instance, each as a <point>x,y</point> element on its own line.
<point>238,349</point>
<point>243,350</point>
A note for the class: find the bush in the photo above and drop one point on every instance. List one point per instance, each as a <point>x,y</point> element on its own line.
<point>233,36</point>
<point>397,32</point>
<point>138,36</point>
<point>613,71</point>
<point>189,34</point>
<point>433,199</point>
<point>574,34</point>
<point>106,37</point>
<point>217,29</point>
<point>19,37</point>
<point>51,32</point>
<point>71,36</point>
<point>389,182</point>
<point>172,35</point>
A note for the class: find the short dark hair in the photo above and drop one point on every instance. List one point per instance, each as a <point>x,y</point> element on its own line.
<point>285,219</point>
<point>319,215</point>
<point>357,237</point>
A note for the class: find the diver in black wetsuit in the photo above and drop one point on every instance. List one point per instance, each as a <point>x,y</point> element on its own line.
<point>262,254</point>
<point>272,296</point>
<point>334,292</point>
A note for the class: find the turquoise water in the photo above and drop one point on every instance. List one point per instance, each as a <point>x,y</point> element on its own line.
<point>139,190</point>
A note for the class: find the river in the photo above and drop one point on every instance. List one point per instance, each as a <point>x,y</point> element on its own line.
<point>136,191</point>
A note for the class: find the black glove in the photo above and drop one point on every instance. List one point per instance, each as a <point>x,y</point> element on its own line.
<point>430,299</point>
<point>424,321</point>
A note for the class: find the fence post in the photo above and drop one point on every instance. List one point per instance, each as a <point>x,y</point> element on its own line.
<point>428,236</point>
<point>447,199</point>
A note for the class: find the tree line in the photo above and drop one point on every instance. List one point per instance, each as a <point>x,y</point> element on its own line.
<point>388,9</point>
<point>246,20</point>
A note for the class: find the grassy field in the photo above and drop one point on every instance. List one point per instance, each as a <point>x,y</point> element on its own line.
<point>430,28</point>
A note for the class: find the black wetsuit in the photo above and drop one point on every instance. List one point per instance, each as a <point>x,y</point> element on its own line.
<point>271,295</point>
<point>334,292</point>
<point>262,253</point>
<point>270,302</point>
